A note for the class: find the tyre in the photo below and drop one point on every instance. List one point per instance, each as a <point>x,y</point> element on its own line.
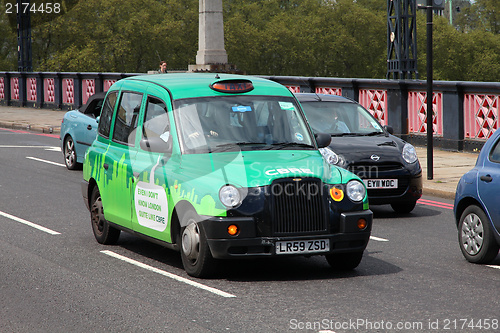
<point>103,232</point>
<point>403,207</point>
<point>344,261</point>
<point>195,252</point>
<point>475,236</point>
<point>70,154</point>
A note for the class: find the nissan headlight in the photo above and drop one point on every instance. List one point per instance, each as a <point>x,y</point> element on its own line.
<point>409,153</point>
<point>229,196</point>
<point>329,155</point>
<point>355,190</point>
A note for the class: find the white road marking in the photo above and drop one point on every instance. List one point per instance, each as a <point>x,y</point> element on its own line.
<point>44,147</point>
<point>167,274</point>
<point>31,224</point>
<point>378,239</point>
<point>58,149</point>
<point>45,161</point>
<point>494,266</point>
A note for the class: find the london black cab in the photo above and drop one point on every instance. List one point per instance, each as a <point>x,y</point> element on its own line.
<point>220,167</point>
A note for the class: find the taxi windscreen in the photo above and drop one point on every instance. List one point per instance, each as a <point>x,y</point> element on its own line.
<point>219,124</point>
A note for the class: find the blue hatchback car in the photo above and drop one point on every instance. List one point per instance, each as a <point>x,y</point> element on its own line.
<point>477,205</point>
<point>79,129</point>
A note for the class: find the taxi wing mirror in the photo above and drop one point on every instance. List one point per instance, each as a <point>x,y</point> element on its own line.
<point>97,119</point>
<point>156,145</point>
<point>323,139</point>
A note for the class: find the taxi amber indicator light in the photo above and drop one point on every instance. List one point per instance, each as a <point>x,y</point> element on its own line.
<point>232,86</point>
<point>233,230</point>
<point>337,194</point>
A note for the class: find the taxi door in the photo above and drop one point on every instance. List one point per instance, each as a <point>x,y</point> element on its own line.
<point>151,207</point>
<point>116,193</point>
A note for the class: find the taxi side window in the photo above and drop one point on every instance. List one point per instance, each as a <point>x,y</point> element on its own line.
<point>107,114</point>
<point>127,116</point>
<point>156,121</point>
<point>495,153</point>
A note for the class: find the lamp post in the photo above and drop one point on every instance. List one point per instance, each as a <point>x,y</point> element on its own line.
<point>429,7</point>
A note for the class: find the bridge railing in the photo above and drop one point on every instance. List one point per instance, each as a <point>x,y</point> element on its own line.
<point>465,114</point>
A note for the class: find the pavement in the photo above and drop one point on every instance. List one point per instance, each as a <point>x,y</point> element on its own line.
<point>448,166</point>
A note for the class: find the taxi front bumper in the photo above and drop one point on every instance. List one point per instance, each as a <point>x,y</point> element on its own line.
<point>248,244</point>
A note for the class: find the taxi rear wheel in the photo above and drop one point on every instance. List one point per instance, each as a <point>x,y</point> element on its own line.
<point>103,232</point>
<point>344,261</point>
<point>404,208</point>
<point>475,236</point>
<point>195,252</point>
<point>70,154</point>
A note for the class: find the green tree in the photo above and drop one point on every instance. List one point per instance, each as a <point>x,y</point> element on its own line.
<point>308,37</point>
<point>118,36</point>
<point>330,38</point>
<point>8,45</point>
<point>459,56</point>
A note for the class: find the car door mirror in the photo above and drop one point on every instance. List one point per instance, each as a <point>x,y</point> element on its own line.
<point>323,139</point>
<point>97,119</point>
<point>389,129</point>
<point>156,145</point>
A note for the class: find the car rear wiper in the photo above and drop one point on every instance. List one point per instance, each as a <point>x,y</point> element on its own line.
<point>281,145</point>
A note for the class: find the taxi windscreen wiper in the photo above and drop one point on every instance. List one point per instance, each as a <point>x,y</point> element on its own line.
<point>281,145</point>
<point>233,144</point>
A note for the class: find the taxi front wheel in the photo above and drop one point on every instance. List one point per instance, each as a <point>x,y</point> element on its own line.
<point>103,232</point>
<point>195,253</point>
<point>344,261</point>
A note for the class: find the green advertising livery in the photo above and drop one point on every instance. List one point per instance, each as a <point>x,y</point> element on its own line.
<point>220,166</point>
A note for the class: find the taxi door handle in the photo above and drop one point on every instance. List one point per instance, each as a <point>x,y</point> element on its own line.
<point>486,178</point>
<point>89,127</point>
<point>106,166</point>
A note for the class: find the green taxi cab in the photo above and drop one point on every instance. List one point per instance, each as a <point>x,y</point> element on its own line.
<point>220,166</point>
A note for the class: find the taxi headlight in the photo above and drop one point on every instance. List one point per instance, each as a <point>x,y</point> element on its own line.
<point>355,190</point>
<point>329,155</point>
<point>229,196</point>
<point>409,153</point>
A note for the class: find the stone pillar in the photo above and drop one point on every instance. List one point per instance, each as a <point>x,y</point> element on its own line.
<point>211,54</point>
<point>211,34</point>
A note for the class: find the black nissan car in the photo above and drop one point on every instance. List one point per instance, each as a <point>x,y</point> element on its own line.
<point>387,164</point>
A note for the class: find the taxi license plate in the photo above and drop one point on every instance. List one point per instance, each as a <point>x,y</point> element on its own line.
<point>303,246</point>
<point>381,183</point>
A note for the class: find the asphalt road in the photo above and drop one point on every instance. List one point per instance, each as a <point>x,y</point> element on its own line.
<point>54,277</point>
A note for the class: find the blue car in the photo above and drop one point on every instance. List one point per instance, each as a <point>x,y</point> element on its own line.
<point>477,205</point>
<point>79,129</point>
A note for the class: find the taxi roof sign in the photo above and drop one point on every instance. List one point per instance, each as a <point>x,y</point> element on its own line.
<point>232,86</point>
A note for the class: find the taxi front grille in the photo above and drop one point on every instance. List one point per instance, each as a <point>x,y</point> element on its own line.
<point>298,206</point>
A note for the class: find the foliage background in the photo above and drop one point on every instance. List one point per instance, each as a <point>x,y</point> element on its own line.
<point>331,38</point>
